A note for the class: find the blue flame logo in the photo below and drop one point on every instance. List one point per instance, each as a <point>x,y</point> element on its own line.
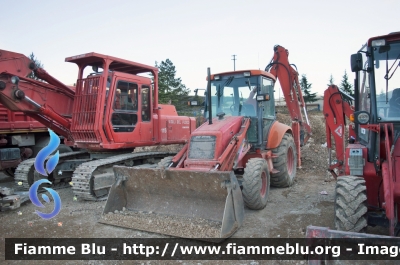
<point>50,166</point>
<point>45,152</point>
<point>35,199</point>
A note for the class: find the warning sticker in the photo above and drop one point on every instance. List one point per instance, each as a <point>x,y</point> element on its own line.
<point>339,131</point>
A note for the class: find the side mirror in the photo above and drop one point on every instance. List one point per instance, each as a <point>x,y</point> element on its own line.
<point>356,62</point>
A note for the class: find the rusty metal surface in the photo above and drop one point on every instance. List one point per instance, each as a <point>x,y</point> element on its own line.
<point>187,195</point>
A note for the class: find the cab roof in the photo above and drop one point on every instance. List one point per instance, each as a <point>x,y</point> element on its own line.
<point>118,64</point>
<point>394,36</point>
<point>252,73</point>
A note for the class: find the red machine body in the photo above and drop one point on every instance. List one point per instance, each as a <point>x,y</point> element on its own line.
<point>229,161</point>
<point>336,109</point>
<point>108,113</point>
<point>18,122</point>
<point>21,134</point>
<point>88,117</point>
<point>236,139</point>
<point>369,163</point>
<point>288,78</point>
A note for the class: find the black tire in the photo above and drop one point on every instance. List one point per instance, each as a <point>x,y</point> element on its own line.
<point>285,163</point>
<point>351,204</point>
<point>165,162</point>
<point>256,182</point>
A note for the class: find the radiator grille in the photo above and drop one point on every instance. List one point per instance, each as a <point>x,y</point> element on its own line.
<point>202,147</point>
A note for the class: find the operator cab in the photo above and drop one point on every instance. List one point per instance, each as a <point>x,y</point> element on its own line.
<point>377,88</point>
<point>124,100</point>
<point>378,81</point>
<point>235,94</point>
<point>122,91</point>
<point>386,61</point>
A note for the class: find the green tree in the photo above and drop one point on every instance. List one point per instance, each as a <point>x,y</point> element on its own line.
<point>346,86</point>
<point>38,65</point>
<point>306,88</point>
<point>170,88</point>
<point>331,81</point>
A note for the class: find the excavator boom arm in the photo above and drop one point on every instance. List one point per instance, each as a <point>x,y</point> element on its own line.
<point>288,78</point>
<point>336,109</point>
<point>49,102</point>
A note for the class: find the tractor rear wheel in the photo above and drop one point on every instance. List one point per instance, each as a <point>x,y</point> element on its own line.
<point>285,163</point>
<point>256,181</point>
<point>351,204</point>
<point>165,162</point>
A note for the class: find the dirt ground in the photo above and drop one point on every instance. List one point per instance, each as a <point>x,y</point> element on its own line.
<point>288,213</point>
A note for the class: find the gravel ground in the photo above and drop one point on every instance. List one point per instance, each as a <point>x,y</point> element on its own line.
<point>167,225</point>
<point>288,213</point>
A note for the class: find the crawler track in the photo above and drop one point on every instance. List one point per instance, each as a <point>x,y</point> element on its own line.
<point>24,174</point>
<point>84,174</point>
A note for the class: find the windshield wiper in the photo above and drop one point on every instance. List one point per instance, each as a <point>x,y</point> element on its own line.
<point>387,77</point>
<point>229,80</point>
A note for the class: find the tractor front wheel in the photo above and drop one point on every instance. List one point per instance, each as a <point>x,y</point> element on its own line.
<point>256,181</point>
<point>285,163</point>
<point>351,204</point>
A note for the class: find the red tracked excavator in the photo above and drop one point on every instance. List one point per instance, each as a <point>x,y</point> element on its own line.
<point>230,161</point>
<point>109,114</point>
<point>368,168</point>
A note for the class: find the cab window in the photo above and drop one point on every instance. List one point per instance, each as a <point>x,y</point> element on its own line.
<point>268,106</point>
<point>145,103</point>
<point>124,117</point>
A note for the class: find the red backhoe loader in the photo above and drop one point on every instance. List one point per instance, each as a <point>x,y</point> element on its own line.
<point>368,168</point>
<point>108,114</point>
<point>230,161</point>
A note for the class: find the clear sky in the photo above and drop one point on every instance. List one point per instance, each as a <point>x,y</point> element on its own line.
<point>320,35</point>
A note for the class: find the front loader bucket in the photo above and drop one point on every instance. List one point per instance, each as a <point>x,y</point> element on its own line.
<point>182,203</point>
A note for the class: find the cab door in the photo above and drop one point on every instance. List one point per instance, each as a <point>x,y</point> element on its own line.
<point>123,116</point>
<point>145,115</point>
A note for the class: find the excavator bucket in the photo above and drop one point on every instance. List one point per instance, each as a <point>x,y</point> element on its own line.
<point>182,203</point>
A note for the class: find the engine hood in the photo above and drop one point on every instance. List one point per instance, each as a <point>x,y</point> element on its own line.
<point>209,141</point>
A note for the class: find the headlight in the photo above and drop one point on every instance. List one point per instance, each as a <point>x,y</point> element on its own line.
<point>216,77</point>
<point>247,74</point>
<point>14,80</point>
<point>377,43</point>
<point>363,117</point>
